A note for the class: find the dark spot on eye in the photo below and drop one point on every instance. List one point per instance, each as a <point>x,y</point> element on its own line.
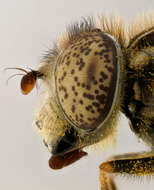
<point>96,91</point>
<point>96,53</point>
<point>73,108</point>
<point>73,88</point>
<point>74,54</point>
<point>87,108</point>
<point>62,87</point>
<point>96,104</point>
<point>85,44</point>
<point>101,53</point>
<point>100,110</point>
<point>75,78</point>
<point>88,96</point>
<point>82,49</point>
<point>88,87</point>
<point>65,73</point>
<point>66,96</point>
<point>101,98</point>
<point>108,61</point>
<point>95,82</point>
<point>106,56</point>
<point>81,60</point>
<point>92,77</point>
<point>84,94</point>
<point>104,88</point>
<point>68,62</point>
<point>78,84</point>
<point>100,45</point>
<point>81,101</point>
<point>81,115</point>
<point>68,56</point>
<point>92,111</point>
<point>100,80</point>
<point>83,85</point>
<point>73,71</point>
<point>104,76</point>
<point>77,63</point>
<point>82,64</point>
<point>110,69</point>
<point>91,70</point>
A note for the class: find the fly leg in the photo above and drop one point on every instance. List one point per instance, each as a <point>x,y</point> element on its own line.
<point>137,164</point>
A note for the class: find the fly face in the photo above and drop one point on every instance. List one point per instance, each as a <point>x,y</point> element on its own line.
<point>83,91</point>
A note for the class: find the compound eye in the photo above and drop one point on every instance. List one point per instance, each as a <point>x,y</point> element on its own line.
<point>86,77</point>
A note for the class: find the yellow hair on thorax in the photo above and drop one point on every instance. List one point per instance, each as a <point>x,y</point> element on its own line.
<point>142,25</point>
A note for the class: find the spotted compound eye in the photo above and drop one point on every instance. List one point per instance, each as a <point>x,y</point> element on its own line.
<point>86,76</point>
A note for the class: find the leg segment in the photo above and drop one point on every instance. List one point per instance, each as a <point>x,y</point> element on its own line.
<point>129,164</point>
<point>106,180</point>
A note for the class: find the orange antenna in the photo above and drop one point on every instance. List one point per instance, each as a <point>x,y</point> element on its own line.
<point>28,80</point>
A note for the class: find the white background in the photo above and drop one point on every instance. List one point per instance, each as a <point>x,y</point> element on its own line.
<point>27,29</point>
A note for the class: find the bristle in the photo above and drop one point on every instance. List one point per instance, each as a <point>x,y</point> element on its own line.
<point>50,54</point>
<point>73,31</point>
<point>113,25</point>
<point>142,25</point>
